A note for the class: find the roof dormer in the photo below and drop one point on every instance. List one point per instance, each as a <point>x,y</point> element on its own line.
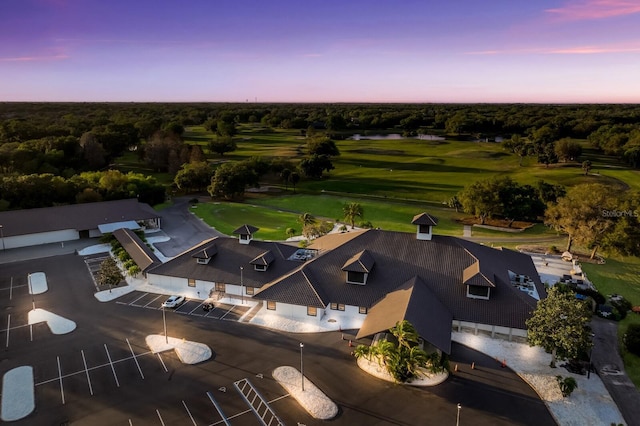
<point>262,262</point>
<point>425,223</point>
<point>358,267</point>
<point>245,233</point>
<point>206,254</point>
<point>478,283</point>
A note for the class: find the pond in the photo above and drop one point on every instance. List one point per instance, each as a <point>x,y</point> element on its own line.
<point>394,136</point>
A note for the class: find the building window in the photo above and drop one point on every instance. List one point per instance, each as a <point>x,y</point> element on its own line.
<point>477,292</point>
<point>192,282</point>
<point>356,277</point>
<point>203,261</point>
<point>249,291</point>
<point>244,237</point>
<point>271,305</point>
<point>312,311</point>
<point>220,287</point>
<point>337,306</point>
<point>363,309</point>
<point>260,267</point>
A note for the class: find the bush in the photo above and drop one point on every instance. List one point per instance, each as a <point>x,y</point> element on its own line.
<point>621,304</point>
<point>567,385</point>
<point>553,249</point>
<point>594,294</point>
<point>632,339</point>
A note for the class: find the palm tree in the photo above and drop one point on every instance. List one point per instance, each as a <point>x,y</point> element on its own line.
<point>306,219</point>
<point>290,232</point>
<point>351,212</point>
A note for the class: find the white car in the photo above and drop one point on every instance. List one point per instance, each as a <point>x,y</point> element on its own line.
<point>173,302</point>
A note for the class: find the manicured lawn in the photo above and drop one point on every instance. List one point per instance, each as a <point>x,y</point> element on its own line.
<point>620,276</point>
<point>226,217</point>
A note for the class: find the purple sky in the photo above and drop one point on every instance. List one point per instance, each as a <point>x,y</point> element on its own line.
<point>320,51</point>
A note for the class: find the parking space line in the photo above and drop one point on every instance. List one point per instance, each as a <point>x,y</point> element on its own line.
<point>112,368</point>
<point>195,308</point>
<point>87,371</point>
<point>133,303</point>
<point>225,314</point>
<point>158,297</point>
<point>160,417</point>
<point>162,362</point>
<point>135,359</point>
<point>189,413</point>
<point>60,376</point>
<point>11,289</point>
<point>8,328</point>
<point>225,420</point>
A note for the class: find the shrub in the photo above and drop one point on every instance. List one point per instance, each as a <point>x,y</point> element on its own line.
<point>621,304</point>
<point>632,339</point>
<point>553,249</point>
<point>567,385</point>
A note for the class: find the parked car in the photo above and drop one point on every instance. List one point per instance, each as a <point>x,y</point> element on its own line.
<point>173,302</point>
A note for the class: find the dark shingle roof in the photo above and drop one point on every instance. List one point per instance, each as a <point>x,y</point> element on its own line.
<point>295,288</point>
<point>361,262</point>
<point>424,219</point>
<point>246,230</point>
<point>439,263</point>
<point>224,267</point>
<point>137,249</point>
<point>414,302</point>
<point>206,252</point>
<point>81,217</point>
<point>263,259</point>
<point>472,275</point>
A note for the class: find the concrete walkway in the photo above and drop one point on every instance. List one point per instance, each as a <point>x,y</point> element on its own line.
<point>46,250</point>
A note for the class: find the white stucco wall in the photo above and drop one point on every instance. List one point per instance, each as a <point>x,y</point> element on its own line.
<point>295,312</point>
<point>41,238</point>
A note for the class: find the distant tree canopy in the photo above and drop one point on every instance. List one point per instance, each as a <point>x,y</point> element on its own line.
<point>231,179</point>
<point>320,150</point>
<point>503,198</point>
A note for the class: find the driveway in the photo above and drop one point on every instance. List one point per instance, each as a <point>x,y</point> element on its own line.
<point>607,361</point>
<point>184,229</point>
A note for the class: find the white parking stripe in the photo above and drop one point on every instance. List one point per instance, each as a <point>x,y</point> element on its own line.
<point>160,417</point>
<point>60,376</point>
<point>195,308</point>
<point>225,314</point>
<point>8,328</point>
<point>138,299</point>
<point>135,359</point>
<point>11,289</point>
<point>189,413</point>
<point>162,362</point>
<point>152,300</point>
<point>112,368</point>
<point>87,371</point>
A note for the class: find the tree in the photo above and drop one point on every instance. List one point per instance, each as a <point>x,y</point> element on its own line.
<point>481,199</point>
<point>231,179</point>
<point>580,214</point>
<point>93,153</point>
<point>454,203</point>
<point>519,146</point>
<point>559,324</point>
<point>285,174</point>
<point>624,235</point>
<point>194,176</point>
<point>291,232</point>
<point>314,165</point>
<point>109,274</point>
<point>294,178</point>
<point>351,212</point>
<point>162,150</point>
<point>567,149</point>
<point>586,167</point>
<point>222,144</point>
<point>519,201</point>
<point>306,219</point>
<point>401,355</point>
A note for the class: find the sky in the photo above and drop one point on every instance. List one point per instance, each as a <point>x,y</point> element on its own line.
<point>543,51</point>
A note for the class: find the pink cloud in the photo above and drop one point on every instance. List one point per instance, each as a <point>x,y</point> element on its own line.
<point>35,58</point>
<point>595,9</point>
<point>571,50</point>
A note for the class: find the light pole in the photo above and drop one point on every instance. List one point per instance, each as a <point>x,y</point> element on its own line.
<point>590,353</point>
<point>241,286</point>
<point>458,415</point>
<point>301,367</point>
<point>2,236</point>
<point>164,321</point>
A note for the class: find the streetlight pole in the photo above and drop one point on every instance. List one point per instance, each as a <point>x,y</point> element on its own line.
<point>590,353</point>
<point>301,367</point>
<point>241,286</point>
<point>458,415</point>
<point>164,321</point>
<point>2,236</point>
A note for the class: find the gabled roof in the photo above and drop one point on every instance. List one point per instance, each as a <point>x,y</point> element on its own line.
<point>424,219</point>
<point>81,217</point>
<point>263,259</point>
<point>206,252</point>
<point>472,275</point>
<point>361,262</point>
<point>296,288</point>
<point>224,267</point>
<point>414,302</point>
<point>137,249</point>
<point>246,230</point>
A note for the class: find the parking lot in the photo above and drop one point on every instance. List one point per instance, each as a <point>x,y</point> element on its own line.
<point>221,311</point>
